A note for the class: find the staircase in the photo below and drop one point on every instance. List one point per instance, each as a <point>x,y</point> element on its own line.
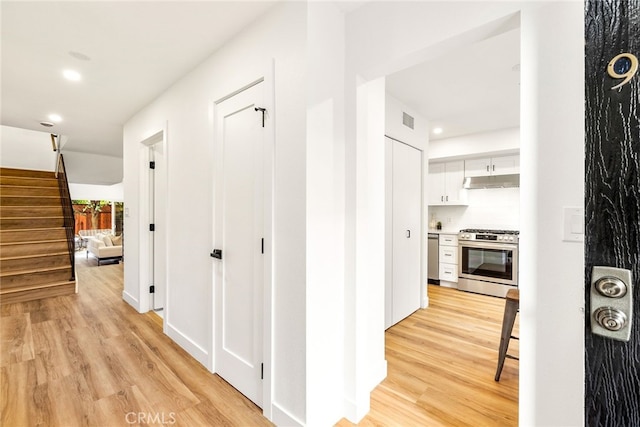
<point>35,253</point>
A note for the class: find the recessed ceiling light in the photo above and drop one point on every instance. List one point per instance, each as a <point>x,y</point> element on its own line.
<point>46,124</point>
<point>55,118</point>
<point>72,75</point>
<point>437,131</point>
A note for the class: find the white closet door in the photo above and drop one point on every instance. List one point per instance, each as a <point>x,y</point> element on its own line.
<point>407,235</point>
<point>239,231</point>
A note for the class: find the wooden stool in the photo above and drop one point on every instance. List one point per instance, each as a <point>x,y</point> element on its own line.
<point>511,307</point>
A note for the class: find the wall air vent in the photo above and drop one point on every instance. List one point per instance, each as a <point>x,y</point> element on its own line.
<point>407,120</point>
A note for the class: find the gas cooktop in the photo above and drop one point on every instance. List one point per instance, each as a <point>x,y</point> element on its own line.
<point>485,231</point>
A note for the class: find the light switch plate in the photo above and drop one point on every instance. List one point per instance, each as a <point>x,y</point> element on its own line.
<point>573,229</point>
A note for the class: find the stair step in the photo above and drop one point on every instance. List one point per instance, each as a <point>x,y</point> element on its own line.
<point>14,190</point>
<point>34,292</point>
<point>32,277</point>
<point>39,261</point>
<point>14,223</point>
<point>30,200</point>
<point>36,235</point>
<point>28,181</point>
<point>16,249</point>
<point>26,173</point>
<point>38,211</point>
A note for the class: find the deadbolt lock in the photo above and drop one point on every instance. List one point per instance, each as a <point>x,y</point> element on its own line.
<point>611,310</point>
<point>611,287</point>
<point>610,318</point>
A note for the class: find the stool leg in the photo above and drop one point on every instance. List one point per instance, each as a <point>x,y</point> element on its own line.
<point>509,318</point>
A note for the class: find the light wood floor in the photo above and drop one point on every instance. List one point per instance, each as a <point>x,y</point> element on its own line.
<point>441,366</point>
<point>90,359</point>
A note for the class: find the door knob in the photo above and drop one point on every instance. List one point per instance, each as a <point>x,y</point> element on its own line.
<point>611,302</point>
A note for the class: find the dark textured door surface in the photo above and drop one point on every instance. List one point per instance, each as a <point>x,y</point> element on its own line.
<point>612,204</point>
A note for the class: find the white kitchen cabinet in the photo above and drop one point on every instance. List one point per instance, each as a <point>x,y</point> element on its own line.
<point>445,183</point>
<point>503,165</point>
<point>404,230</point>
<point>448,247</point>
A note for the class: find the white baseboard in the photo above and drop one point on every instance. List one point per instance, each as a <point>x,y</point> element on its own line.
<point>197,352</point>
<point>280,417</point>
<point>354,411</point>
<point>129,299</point>
<point>446,284</point>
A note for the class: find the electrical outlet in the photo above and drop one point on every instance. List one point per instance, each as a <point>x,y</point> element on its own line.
<point>448,220</point>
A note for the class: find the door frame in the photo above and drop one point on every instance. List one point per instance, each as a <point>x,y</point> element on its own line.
<point>267,78</point>
<point>158,137</point>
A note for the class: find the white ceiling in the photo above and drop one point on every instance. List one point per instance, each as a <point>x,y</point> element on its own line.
<point>136,50</point>
<point>470,90</point>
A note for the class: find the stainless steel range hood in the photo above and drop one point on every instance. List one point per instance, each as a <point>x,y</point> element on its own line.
<point>494,181</point>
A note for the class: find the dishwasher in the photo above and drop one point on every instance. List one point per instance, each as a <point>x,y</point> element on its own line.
<point>433,264</point>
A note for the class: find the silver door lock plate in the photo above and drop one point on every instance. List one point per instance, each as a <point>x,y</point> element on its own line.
<point>611,302</point>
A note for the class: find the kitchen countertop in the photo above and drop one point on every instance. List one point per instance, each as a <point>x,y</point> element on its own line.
<point>444,231</point>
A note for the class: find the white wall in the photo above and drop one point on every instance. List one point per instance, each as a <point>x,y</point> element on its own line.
<point>325,214</point>
<point>185,109</point>
<point>552,166</point>
<point>491,208</point>
<point>26,149</point>
<point>417,137</point>
<point>383,37</point>
<point>499,142</point>
<point>113,192</point>
<point>95,169</point>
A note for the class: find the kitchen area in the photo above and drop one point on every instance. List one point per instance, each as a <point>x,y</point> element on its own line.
<point>473,226</point>
<point>453,156</point>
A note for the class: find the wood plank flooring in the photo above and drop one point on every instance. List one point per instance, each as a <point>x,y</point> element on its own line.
<point>91,360</point>
<point>441,366</point>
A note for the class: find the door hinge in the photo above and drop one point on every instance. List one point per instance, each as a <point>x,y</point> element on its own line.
<point>262,250</point>
<point>152,289</point>
<point>152,227</point>
<point>262,371</point>
<point>152,165</point>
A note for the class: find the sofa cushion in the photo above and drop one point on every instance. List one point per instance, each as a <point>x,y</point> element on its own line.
<point>107,240</point>
<point>116,240</point>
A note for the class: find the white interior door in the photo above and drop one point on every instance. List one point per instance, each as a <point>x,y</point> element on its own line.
<point>239,233</point>
<point>157,212</point>
<point>406,230</point>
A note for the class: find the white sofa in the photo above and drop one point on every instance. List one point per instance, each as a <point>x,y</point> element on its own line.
<point>105,247</point>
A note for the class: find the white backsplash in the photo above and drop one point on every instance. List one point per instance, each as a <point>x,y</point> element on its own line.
<point>496,208</point>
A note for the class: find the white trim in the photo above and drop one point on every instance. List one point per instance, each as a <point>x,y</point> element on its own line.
<point>283,418</point>
<point>145,302</point>
<point>131,300</point>
<point>197,352</point>
<point>268,79</point>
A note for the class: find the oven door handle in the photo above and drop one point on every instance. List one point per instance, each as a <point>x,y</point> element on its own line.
<point>490,245</point>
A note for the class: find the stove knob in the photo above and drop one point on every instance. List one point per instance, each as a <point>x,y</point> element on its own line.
<point>500,237</point>
<point>511,238</point>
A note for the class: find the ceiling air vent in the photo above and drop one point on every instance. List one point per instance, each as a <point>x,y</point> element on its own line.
<point>407,120</point>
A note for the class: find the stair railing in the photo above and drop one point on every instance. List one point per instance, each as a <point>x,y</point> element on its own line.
<point>67,212</point>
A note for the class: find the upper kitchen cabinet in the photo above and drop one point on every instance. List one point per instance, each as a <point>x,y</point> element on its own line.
<point>445,183</point>
<point>504,165</point>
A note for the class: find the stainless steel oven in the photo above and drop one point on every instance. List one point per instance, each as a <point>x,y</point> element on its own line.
<point>488,261</point>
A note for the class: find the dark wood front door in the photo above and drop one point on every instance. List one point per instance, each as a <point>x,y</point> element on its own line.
<point>612,203</point>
